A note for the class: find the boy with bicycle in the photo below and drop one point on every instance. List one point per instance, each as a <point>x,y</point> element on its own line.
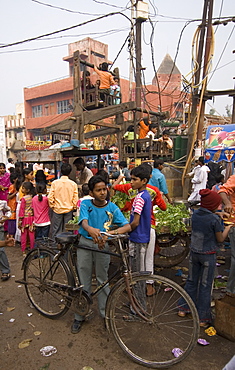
<point>97,215</point>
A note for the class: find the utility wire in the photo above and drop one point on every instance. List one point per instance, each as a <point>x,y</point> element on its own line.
<point>221,7</point>
<point>225,45</point>
<point>108,33</point>
<point>73,11</point>
<point>128,36</point>
<point>64,29</point>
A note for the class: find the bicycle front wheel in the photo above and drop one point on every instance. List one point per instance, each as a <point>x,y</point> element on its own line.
<point>46,283</point>
<point>151,341</point>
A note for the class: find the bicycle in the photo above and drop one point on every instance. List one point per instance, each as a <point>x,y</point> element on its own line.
<point>147,328</point>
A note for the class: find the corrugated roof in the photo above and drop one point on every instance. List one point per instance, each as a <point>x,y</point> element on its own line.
<point>167,65</point>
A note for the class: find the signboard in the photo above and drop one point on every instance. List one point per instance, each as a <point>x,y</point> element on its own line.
<point>37,145</point>
<point>220,143</point>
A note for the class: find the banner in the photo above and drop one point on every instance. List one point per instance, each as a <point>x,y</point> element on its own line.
<point>220,143</point>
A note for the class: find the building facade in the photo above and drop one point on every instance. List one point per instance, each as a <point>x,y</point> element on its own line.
<point>15,131</point>
<point>52,102</point>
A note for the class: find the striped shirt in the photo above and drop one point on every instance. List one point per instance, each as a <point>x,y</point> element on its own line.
<point>142,205</point>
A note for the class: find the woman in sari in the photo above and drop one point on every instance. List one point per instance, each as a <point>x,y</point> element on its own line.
<point>4,182</point>
<point>4,186</point>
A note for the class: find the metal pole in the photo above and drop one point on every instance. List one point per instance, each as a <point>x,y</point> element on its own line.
<point>132,50</point>
<point>205,67</point>
<point>195,98</point>
<point>138,64</point>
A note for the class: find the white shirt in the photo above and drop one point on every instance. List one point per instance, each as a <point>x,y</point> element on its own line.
<point>8,166</point>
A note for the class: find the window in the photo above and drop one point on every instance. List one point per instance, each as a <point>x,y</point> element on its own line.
<point>46,110</point>
<point>37,111</point>
<point>9,134</point>
<point>97,54</point>
<point>62,106</point>
<point>51,108</point>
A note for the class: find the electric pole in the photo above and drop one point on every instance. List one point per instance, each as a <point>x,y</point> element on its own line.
<point>195,97</point>
<point>141,16</point>
<point>205,67</point>
<point>131,50</point>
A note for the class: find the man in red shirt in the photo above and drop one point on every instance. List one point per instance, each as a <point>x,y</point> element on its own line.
<point>157,200</point>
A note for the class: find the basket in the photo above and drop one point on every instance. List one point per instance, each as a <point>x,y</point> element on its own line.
<point>73,227</point>
<point>166,230</point>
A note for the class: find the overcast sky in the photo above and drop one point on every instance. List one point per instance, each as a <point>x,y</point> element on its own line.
<point>35,62</point>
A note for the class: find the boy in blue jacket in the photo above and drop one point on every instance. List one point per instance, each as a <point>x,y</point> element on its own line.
<point>207,232</point>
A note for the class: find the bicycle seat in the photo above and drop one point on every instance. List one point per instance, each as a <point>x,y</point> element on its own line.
<point>64,238</point>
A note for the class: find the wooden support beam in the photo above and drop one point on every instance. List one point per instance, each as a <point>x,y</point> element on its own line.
<point>112,110</point>
<point>162,115</point>
<point>66,124</point>
<point>106,124</point>
<point>229,92</point>
<point>101,132</point>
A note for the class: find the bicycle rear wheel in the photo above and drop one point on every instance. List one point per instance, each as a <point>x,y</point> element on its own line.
<point>150,342</point>
<point>172,250</point>
<point>46,282</point>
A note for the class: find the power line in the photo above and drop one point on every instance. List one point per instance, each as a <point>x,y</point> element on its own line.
<point>225,45</point>
<point>103,34</point>
<point>73,11</point>
<point>64,29</point>
<point>221,7</point>
<point>104,3</point>
<point>128,36</point>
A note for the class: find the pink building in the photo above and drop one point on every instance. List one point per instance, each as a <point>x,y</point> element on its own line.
<point>52,102</point>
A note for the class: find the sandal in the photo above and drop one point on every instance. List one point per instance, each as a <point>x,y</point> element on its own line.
<point>5,277</point>
<point>181,313</point>
<point>203,324</point>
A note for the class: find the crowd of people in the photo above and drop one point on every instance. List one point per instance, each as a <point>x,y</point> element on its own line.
<point>29,211</point>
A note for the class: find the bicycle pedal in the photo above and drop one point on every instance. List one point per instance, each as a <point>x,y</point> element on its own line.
<point>90,315</point>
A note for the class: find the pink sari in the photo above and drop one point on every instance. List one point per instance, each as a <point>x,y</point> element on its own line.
<point>5,181</point>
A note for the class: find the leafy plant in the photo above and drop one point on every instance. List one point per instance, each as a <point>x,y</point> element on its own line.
<point>74,220</point>
<point>171,218</point>
<point>120,199</point>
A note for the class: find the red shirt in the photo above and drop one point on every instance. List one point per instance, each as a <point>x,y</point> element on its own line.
<point>154,193</point>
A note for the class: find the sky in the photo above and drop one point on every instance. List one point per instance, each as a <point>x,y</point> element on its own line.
<point>35,62</point>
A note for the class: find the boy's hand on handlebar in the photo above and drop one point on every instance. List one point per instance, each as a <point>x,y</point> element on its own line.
<point>95,234</point>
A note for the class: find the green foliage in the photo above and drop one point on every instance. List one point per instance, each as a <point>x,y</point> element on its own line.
<point>171,218</point>
<point>74,220</point>
<point>120,199</point>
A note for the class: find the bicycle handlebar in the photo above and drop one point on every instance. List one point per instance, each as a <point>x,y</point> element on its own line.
<point>114,236</point>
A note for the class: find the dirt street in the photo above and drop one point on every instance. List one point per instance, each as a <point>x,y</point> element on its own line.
<point>93,346</point>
